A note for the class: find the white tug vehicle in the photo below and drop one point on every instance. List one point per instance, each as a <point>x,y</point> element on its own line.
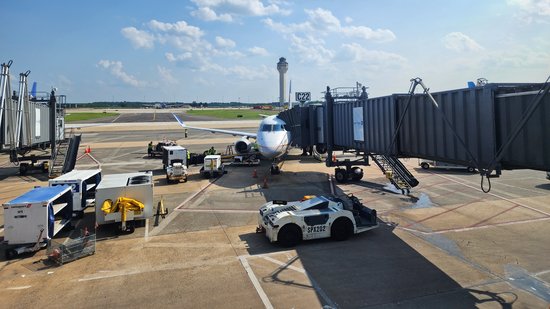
<point>317,217</point>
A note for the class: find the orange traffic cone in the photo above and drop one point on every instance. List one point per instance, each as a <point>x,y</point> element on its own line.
<point>87,150</point>
<point>265,183</point>
<point>255,174</point>
<point>333,158</point>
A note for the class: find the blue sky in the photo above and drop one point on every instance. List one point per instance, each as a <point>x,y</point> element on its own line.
<point>227,50</point>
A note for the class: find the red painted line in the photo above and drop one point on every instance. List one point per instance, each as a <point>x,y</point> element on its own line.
<point>498,214</point>
<point>439,214</point>
<point>465,229</point>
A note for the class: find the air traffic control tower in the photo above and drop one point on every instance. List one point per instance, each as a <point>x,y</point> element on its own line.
<point>282,67</point>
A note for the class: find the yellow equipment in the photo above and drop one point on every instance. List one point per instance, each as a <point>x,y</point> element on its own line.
<point>122,205</point>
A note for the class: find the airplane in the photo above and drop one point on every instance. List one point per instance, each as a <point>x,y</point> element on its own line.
<point>272,138</point>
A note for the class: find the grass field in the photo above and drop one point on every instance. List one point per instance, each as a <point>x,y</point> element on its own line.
<point>251,114</point>
<point>72,117</point>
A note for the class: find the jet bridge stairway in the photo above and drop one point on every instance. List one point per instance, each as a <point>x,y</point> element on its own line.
<point>64,159</point>
<point>396,172</point>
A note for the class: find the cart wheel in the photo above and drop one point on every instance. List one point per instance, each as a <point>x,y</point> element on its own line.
<point>11,254</point>
<point>341,175</point>
<point>130,227</point>
<point>23,168</point>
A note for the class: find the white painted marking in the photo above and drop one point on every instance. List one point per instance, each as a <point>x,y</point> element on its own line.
<point>146,236</point>
<point>116,118</point>
<point>542,272</point>
<point>313,282</point>
<point>19,287</point>
<point>465,229</point>
<point>285,265</point>
<point>255,282</point>
<point>496,195</point>
<point>217,210</point>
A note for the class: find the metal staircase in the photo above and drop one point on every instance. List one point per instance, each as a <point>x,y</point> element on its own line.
<point>65,156</point>
<point>396,172</point>
<point>58,161</point>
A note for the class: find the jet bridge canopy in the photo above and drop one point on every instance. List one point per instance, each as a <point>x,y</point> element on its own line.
<point>494,126</point>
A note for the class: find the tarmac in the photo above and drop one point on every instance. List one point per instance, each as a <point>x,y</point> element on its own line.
<point>445,245</point>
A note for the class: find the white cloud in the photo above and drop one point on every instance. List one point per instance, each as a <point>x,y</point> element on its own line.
<point>181,57</point>
<point>538,10</point>
<point>459,42</point>
<point>138,38</point>
<point>178,27</point>
<point>373,58</point>
<point>258,51</point>
<point>323,19</point>
<point>238,7</point>
<point>322,23</point>
<point>207,14</point>
<point>348,20</point>
<point>223,42</point>
<point>166,75</point>
<point>311,49</point>
<point>115,68</point>
<point>366,33</point>
<point>239,71</point>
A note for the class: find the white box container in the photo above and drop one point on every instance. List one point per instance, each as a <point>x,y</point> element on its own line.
<point>83,183</point>
<point>137,186</point>
<point>46,209</point>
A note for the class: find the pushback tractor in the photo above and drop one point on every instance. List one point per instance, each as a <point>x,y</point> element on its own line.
<point>319,217</point>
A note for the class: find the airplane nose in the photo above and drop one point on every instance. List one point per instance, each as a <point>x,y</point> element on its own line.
<point>268,152</point>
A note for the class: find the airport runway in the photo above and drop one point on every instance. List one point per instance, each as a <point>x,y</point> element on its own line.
<point>143,115</point>
<point>446,245</point>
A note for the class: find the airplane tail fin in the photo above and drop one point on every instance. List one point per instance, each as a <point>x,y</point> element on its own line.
<point>33,90</point>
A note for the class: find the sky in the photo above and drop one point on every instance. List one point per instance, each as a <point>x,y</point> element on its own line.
<point>227,50</point>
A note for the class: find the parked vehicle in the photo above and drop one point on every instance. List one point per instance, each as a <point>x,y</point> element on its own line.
<point>426,164</point>
<point>212,166</point>
<point>174,160</point>
<point>313,218</point>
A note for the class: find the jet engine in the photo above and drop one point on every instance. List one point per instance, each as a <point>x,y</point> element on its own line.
<point>243,146</point>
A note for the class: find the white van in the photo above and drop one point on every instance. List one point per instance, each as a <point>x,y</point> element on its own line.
<point>426,164</point>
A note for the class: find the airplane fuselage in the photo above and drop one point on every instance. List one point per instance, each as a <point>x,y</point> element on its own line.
<point>272,138</point>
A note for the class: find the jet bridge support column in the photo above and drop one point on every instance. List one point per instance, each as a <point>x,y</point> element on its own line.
<point>329,120</point>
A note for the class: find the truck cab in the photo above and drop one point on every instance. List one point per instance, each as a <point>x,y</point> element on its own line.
<point>174,160</point>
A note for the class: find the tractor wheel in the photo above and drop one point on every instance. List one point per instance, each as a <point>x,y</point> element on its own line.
<point>289,235</point>
<point>341,229</point>
<point>425,165</point>
<point>471,169</point>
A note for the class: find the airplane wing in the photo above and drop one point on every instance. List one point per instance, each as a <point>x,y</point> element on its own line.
<point>234,133</point>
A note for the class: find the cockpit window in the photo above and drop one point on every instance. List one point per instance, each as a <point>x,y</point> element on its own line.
<point>273,127</point>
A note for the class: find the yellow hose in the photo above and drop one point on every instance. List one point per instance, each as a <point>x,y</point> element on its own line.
<point>122,204</point>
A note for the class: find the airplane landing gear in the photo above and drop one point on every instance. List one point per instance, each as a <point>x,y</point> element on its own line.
<point>275,170</point>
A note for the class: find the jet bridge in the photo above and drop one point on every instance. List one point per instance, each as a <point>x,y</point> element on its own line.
<point>30,122</point>
<point>492,127</point>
